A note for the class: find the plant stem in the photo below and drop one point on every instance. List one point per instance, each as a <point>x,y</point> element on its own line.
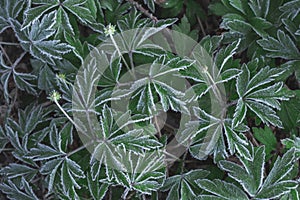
<point>120,54</point>
<point>5,54</point>
<point>10,43</point>
<point>79,149</point>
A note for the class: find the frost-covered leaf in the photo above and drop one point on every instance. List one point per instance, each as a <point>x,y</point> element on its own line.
<point>9,9</point>
<point>143,173</point>
<point>281,47</point>
<point>24,81</point>
<point>221,189</point>
<point>62,11</point>
<point>35,39</point>
<point>291,8</point>
<point>115,137</point>
<point>277,182</point>
<point>208,134</point>
<point>15,170</point>
<point>13,192</point>
<point>57,162</point>
<point>97,189</point>
<point>3,139</point>
<point>292,143</point>
<point>183,186</point>
<point>250,175</point>
<point>259,96</point>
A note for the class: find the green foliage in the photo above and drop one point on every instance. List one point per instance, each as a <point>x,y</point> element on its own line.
<point>211,112</point>
<point>251,177</point>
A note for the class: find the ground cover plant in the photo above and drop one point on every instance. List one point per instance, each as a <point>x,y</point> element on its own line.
<point>165,99</point>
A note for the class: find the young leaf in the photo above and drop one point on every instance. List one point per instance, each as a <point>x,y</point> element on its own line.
<point>266,137</point>
<point>292,143</point>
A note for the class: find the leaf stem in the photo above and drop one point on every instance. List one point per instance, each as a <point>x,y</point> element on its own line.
<point>5,54</point>
<point>10,43</point>
<point>120,54</point>
<point>79,149</point>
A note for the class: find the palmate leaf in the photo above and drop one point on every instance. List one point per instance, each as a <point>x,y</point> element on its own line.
<point>115,137</point>
<point>55,160</point>
<point>208,134</point>
<point>23,81</point>
<point>281,47</point>
<point>142,173</point>
<point>259,96</point>
<point>250,175</point>
<point>35,39</point>
<point>246,16</point>
<point>63,11</point>
<point>212,70</point>
<point>157,87</point>
<point>183,186</point>
<point>19,142</point>
<point>9,9</point>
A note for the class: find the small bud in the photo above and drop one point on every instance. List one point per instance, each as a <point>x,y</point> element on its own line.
<point>54,96</point>
<point>110,30</point>
<point>61,76</point>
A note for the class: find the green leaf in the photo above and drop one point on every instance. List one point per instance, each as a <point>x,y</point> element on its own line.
<point>266,137</point>
<point>3,139</point>
<point>258,96</point>
<point>260,8</point>
<point>276,183</point>
<point>290,112</point>
<point>9,9</point>
<point>143,173</point>
<point>24,81</point>
<point>15,170</point>
<point>116,137</point>
<point>292,143</point>
<point>34,39</point>
<point>62,12</point>
<point>185,28</point>
<point>183,186</point>
<point>97,189</point>
<point>283,47</point>
<point>45,75</point>
<point>250,174</point>
<point>291,9</point>
<point>13,192</point>
<point>221,189</point>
